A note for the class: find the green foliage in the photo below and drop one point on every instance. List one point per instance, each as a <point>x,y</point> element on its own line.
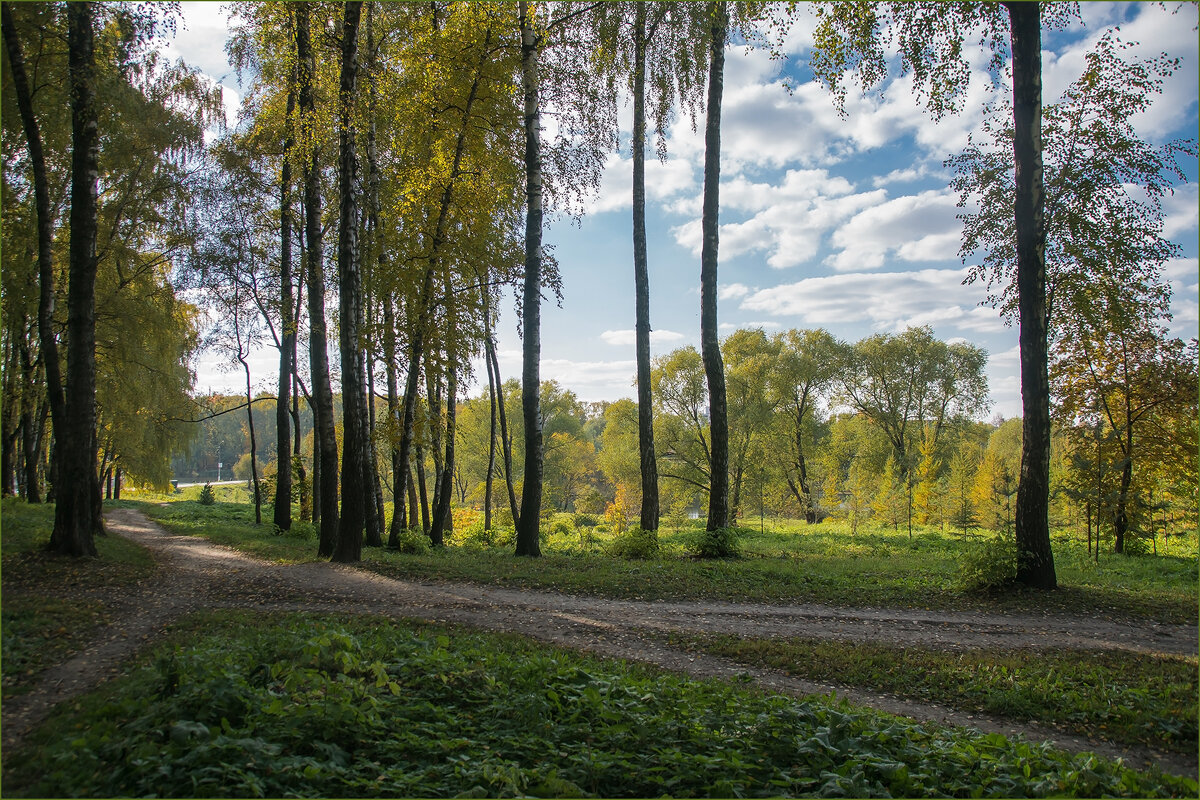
<point>719,543</point>
<point>411,542</point>
<point>990,566</point>
<point>1117,696</point>
<point>583,520</point>
<point>635,543</point>
<point>207,497</point>
<point>296,706</point>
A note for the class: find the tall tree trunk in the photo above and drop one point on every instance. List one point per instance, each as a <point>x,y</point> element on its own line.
<point>282,517</point>
<point>399,468</point>
<point>491,468</point>
<point>253,441</point>
<point>372,267</point>
<point>413,505</point>
<point>422,488</point>
<point>531,351</point>
<point>1035,560</point>
<point>714,368</point>
<point>641,281</point>
<point>325,504</point>
<point>75,521</point>
<point>505,440</point>
<point>354,408</point>
<point>29,454</point>
<point>441,512</point>
<point>45,220</point>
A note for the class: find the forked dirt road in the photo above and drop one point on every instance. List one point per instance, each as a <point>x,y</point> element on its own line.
<point>195,574</point>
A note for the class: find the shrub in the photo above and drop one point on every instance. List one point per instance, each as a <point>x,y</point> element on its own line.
<point>411,542</point>
<point>207,496</point>
<point>582,520</point>
<point>721,543</point>
<point>634,543</point>
<point>1136,544</point>
<point>989,566</point>
<point>560,527</point>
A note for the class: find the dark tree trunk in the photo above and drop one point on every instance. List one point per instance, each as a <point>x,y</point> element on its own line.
<point>399,468</point>
<point>413,505</point>
<point>354,409</point>
<point>253,441</point>
<point>31,491</point>
<point>440,524</point>
<point>325,504</point>
<point>714,368</point>
<point>491,468</point>
<point>75,521</point>
<point>376,512</point>
<point>283,476</point>
<point>641,281</point>
<point>422,488</point>
<point>1035,560</point>
<point>505,440</point>
<point>531,490</point>
<point>45,221</point>
<point>118,478</point>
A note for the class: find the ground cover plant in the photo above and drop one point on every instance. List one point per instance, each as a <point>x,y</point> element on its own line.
<point>783,561</point>
<point>241,704</point>
<point>1113,695</point>
<point>53,604</point>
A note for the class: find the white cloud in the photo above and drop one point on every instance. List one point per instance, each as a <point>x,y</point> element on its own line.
<point>732,291</point>
<point>1180,212</point>
<point>791,218</point>
<point>629,337</point>
<point>883,301</point>
<point>918,227</point>
<point>664,180</point>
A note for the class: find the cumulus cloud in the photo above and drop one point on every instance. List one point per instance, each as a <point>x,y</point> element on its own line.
<point>790,219</point>
<point>883,301</point>
<point>1180,210</point>
<point>920,227</point>
<point>629,337</point>
<point>732,291</point>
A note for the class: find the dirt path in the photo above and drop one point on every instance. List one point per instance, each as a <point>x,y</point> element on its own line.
<point>196,574</point>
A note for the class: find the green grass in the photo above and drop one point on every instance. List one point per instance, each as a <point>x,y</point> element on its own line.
<point>53,605</point>
<point>248,704</point>
<point>1118,696</point>
<point>790,562</point>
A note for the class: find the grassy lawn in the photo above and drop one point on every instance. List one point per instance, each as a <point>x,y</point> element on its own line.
<point>1117,696</point>
<point>789,562</point>
<point>251,704</point>
<point>52,605</point>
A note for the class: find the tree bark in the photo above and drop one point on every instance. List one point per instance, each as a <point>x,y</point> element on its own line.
<point>491,468</point>
<point>325,504</point>
<point>505,440</point>
<point>282,517</point>
<point>399,470</point>
<point>75,520</point>
<point>714,368</point>
<point>440,524</point>
<point>253,440</point>
<point>1035,560</point>
<point>354,410</point>
<point>641,280</point>
<point>45,219</point>
<point>531,490</point>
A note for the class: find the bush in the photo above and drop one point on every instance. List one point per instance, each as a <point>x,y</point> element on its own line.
<point>1136,544</point>
<point>634,543</point>
<point>582,520</point>
<point>207,496</point>
<point>721,543</point>
<point>990,566</point>
<point>560,527</point>
<point>411,542</point>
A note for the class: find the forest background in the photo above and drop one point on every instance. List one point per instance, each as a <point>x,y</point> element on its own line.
<point>832,449</point>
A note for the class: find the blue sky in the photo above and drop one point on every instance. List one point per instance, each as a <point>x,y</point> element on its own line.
<point>842,223</point>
